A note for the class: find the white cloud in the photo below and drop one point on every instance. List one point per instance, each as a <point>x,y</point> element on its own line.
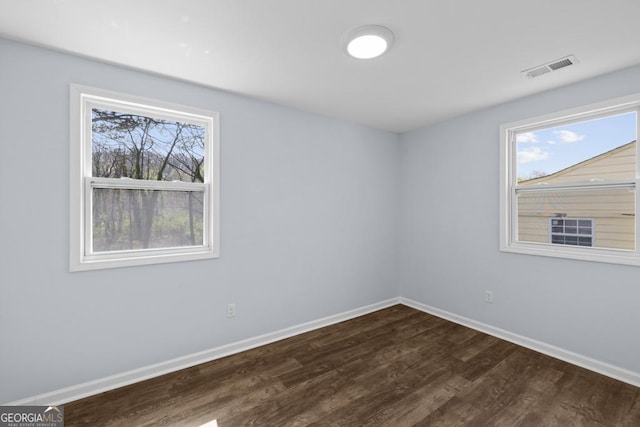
<point>532,154</point>
<point>568,136</point>
<point>527,137</point>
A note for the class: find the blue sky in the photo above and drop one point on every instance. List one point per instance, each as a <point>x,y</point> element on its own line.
<point>552,149</point>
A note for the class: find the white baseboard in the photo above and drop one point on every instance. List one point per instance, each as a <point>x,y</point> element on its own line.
<point>79,391</point>
<point>603,368</point>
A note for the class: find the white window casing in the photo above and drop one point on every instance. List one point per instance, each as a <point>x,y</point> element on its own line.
<point>82,184</point>
<point>510,191</point>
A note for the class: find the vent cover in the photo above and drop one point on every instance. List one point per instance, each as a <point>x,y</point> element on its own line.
<point>550,66</point>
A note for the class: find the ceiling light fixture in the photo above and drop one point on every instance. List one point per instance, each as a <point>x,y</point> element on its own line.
<point>369,41</point>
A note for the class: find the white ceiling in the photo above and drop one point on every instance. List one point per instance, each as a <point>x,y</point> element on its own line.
<point>449,57</point>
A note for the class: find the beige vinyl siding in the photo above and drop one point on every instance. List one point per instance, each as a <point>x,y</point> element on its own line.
<point>617,164</point>
<point>611,209</point>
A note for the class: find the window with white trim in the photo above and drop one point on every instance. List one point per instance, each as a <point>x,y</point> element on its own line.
<point>569,182</point>
<point>144,181</point>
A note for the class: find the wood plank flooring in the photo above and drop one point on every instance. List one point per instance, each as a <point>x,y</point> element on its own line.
<point>394,367</point>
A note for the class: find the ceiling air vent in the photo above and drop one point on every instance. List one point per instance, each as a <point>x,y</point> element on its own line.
<point>550,66</point>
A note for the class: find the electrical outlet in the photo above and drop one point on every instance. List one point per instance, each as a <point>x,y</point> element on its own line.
<point>231,310</point>
<point>488,296</point>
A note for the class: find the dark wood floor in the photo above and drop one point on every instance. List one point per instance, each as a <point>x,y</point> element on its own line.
<point>394,367</point>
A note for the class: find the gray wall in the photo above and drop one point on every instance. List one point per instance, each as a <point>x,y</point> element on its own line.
<point>318,217</point>
<point>449,238</point>
<point>308,223</point>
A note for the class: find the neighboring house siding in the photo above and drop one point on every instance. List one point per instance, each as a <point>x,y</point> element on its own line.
<point>612,210</point>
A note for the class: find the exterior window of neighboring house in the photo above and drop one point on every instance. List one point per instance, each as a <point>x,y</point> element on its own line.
<point>144,181</point>
<point>571,231</point>
<point>569,183</point>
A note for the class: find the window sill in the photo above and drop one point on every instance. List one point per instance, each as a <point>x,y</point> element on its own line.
<point>127,259</point>
<point>611,256</point>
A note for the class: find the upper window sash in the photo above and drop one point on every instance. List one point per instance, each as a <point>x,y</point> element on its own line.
<point>509,132</point>
<point>90,102</point>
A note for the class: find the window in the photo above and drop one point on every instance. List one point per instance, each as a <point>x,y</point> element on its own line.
<point>144,181</point>
<point>569,183</point>
<point>571,231</point>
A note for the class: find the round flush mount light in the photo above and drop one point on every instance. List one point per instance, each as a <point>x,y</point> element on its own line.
<point>369,41</point>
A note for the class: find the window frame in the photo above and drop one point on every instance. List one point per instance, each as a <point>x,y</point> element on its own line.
<point>82,100</point>
<point>508,184</point>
